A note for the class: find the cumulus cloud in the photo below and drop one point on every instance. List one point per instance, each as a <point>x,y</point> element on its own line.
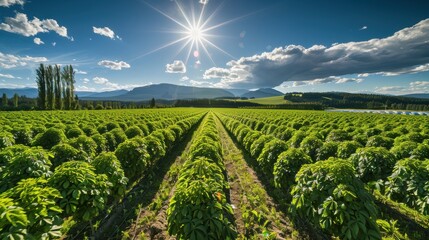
<point>85,80</point>
<point>107,32</point>
<point>54,44</point>
<point>81,88</point>
<point>363,28</point>
<point>12,61</point>
<point>100,80</point>
<point>6,76</point>
<point>8,3</point>
<point>419,84</point>
<point>114,65</point>
<point>413,87</point>
<point>38,41</point>
<point>404,50</point>
<point>21,25</point>
<point>184,79</point>
<point>204,2</point>
<point>77,71</point>
<point>110,86</point>
<point>331,79</point>
<point>176,67</point>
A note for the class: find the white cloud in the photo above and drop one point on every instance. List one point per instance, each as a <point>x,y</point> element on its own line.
<point>54,44</point>
<point>109,86</point>
<point>176,67</point>
<point>362,75</point>
<point>331,79</point>
<point>184,79</point>
<point>8,3</point>
<point>100,80</point>
<point>410,70</point>
<point>85,88</point>
<point>12,61</point>
<point>406,50</point>
<point>85,80</point>
<point>7,76</point>
<point>363,28</point>
<point>38,41</point>
<point>107,32</point>
<point>80,72</point>
<point>420,84</point>
<point>114,65</point>
<point>204,2</point>
<point>21,25</point>
<point>413,87</point>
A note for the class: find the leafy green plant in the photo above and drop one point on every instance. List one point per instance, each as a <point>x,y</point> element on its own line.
<point>389,230</point>
<point>22,135</point>
<point>101,142</point>
<point>84,193</point>
<point>338,135</point>
<point>258,145</point>
<point>328,149</point>
<point>134,157</point>
<point>64,152</point>
<point>32,163</point>
<point>409,184</point>
<point>379,141</point>
<point>269,154</point>
<point>421,152</point>
<point>13,220</point>
<point>74,132</point>
<point>311,145</point>
<point>85,144</point>
<point>133,131</point>
<point>329,195</point>
<point>108,164</point>
<point>39,203</point>
<point>372,163</point>
<point>404,149</point>
<point>6,140</point>
<point>49,138</point>
<point>347,148</point>
<point>287,165</point>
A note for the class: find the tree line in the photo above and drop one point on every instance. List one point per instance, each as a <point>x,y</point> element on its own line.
<point>56,88</point>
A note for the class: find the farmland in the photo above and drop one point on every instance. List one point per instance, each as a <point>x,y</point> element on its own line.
<point>198,173</point>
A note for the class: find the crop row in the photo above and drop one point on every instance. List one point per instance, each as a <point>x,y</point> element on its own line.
<point>387,152</point>
<point>199,208</point>
<point>331,193</point>
<point>77,177</point>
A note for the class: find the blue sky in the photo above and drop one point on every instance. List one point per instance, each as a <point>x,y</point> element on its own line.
<point>356,46</point>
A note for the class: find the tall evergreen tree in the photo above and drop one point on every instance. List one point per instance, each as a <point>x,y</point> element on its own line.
<point>152,103</point>
<point>15,100</point>
<point>58,88</point>
<point>41,84</point>
<point>4,100</point>
<point>50,97</point>
<point>68,80</point>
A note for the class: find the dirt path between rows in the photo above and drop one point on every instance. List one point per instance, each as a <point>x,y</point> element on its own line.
<point>151,221</point>
<point>255,212</point>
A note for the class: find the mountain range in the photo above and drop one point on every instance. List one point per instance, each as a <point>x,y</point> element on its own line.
<point>167,92</point>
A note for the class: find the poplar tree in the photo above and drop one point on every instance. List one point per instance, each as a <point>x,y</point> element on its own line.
<point>41,84</point>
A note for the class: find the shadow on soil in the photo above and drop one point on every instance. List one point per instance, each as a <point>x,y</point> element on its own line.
<point>281,198</point>
<point>122,215</point>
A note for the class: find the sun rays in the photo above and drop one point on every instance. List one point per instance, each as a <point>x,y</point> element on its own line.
<point>194,33</point>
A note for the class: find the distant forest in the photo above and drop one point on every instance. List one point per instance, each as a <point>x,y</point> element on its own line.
<point>360,101</point>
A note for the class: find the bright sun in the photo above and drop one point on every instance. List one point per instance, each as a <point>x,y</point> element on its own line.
<point>194,32</point>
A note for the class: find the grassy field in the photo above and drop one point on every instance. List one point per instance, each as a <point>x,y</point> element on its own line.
<point>267,101</point>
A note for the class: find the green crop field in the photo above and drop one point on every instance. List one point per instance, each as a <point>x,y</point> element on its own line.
<point>267,101</point>
<point>197,173</point>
